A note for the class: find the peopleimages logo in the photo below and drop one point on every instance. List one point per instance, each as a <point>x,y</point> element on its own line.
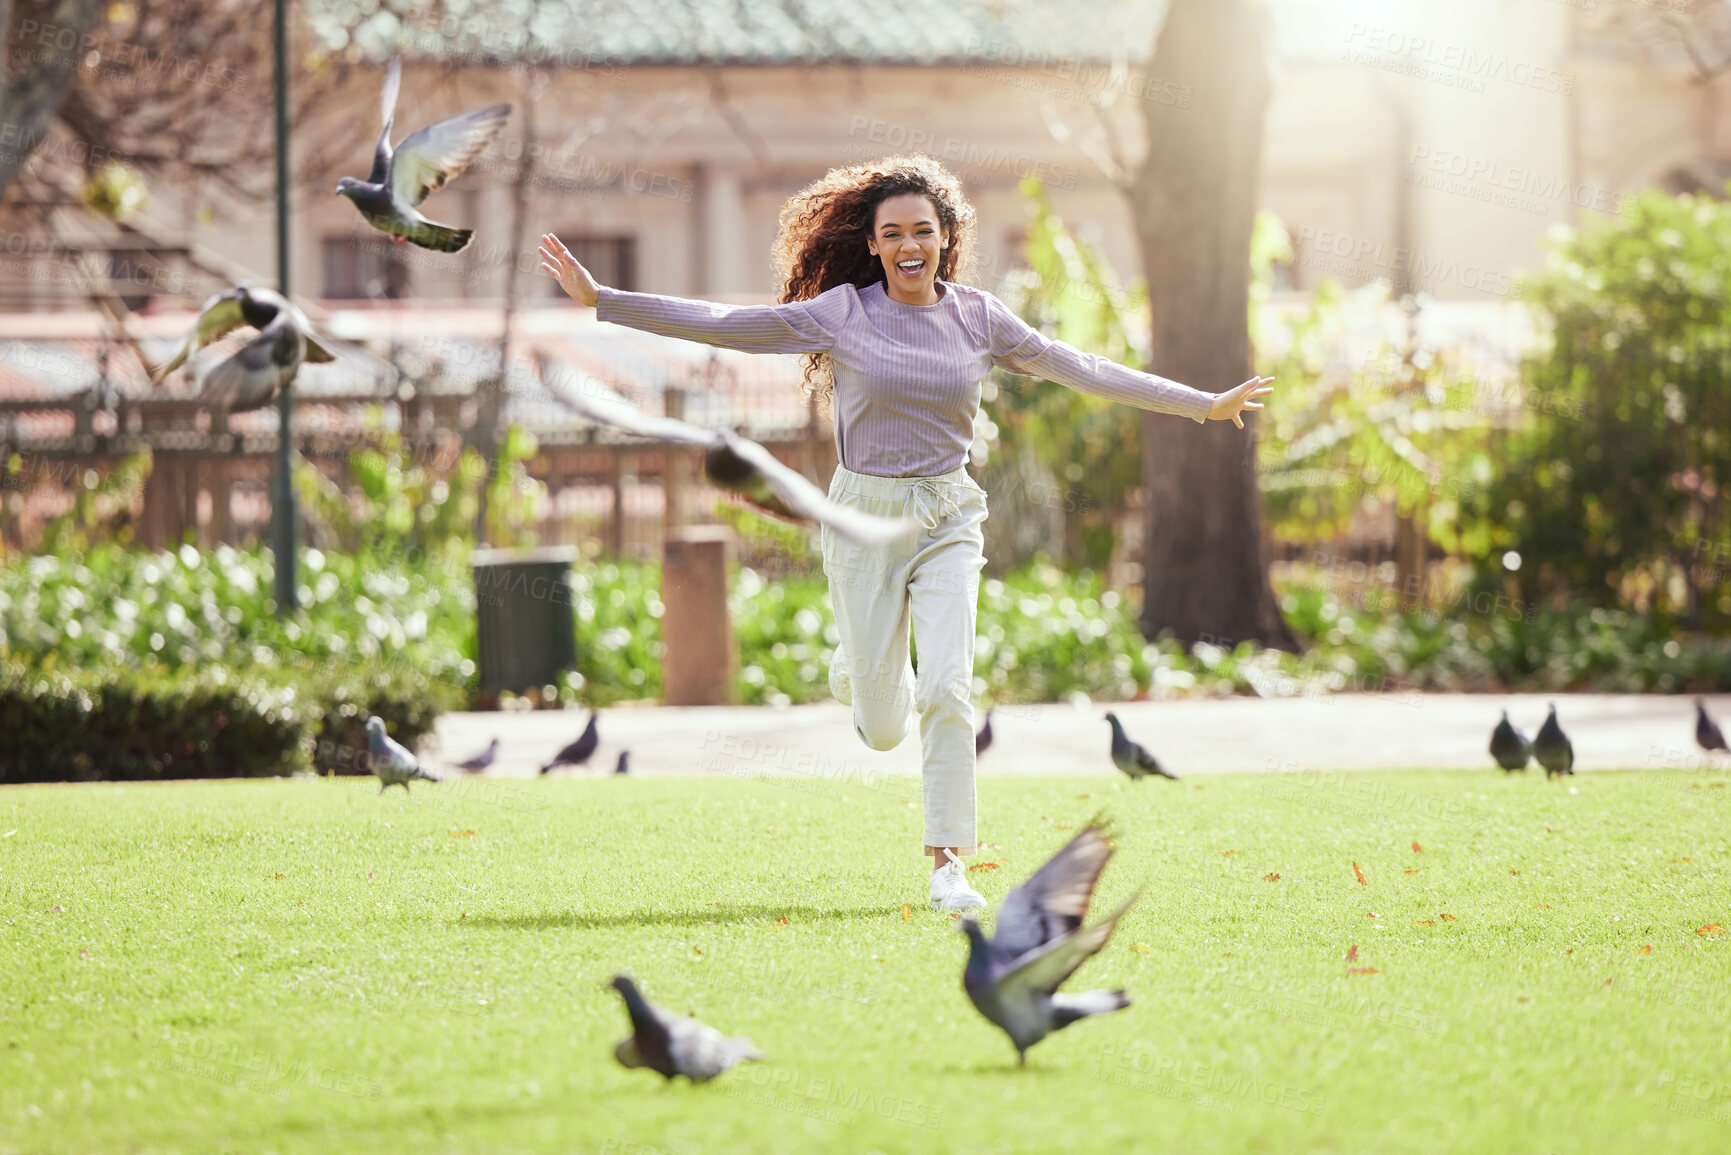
<point>1454,65</point>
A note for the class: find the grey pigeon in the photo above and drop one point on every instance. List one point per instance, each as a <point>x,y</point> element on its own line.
<point>1552,748</point>
<point>264,366</point>
<point>670,1045</point>
<point>746,469</point>
<point>624,763</point>
<point>983,740</point>
<point>1509,746</point>
<point>1707,733</point>
<point>1130,757</point>
<point>580,751</point>
<point>475,763</point>
<point>1013,977</point>
<point>401,180</point>
<point>393,764</point>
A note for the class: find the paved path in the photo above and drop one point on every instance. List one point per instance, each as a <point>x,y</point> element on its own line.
<point>1211,736</point>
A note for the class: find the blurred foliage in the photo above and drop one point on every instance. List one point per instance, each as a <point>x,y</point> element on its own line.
<point>1354,430</point>
<point>1091,446</point>
<point>101,509</point>
<point>514,497</point>
<point>399,505</point>
<point>618,632</point>
<point>1613,491</point>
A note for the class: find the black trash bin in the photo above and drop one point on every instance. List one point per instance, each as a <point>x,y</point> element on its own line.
<point>526,627</point>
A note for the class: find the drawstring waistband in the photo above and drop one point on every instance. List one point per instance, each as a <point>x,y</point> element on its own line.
<point>923,494</point>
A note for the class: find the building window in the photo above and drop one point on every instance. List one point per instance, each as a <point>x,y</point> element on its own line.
<point>612,261</point>
<point>364,269</point>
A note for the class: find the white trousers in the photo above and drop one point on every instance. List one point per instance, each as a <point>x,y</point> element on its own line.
<point>934,578</point>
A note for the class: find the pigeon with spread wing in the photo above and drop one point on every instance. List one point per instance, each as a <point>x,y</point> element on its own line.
<point>401,179</point>
<point>1014,976</point>
<point>264,366</point>
<point>746,469</point>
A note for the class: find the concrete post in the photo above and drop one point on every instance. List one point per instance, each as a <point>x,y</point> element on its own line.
<point>697,665</point>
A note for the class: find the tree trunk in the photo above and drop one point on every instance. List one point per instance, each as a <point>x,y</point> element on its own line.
<point>36,70</point>
<point>1205,568</point>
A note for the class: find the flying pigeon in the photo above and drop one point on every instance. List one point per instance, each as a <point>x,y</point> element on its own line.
<point>400,181</point>
<point>394,765</point>
<point>264,366</point>
<point>983,740</point>
<point>1509,746</point>
<point>1013,977</point>
<point>670,1045</point>
<point>747,469</point>
<point>475,763</point>
<point>1130,757</point>
<point>1707,733</point>
<point>623,767</point>
<point>581,750</point>
<point>1552,747</point>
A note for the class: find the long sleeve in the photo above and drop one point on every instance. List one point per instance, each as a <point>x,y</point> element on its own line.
<point>1020,348</point>
<point>796,327</point>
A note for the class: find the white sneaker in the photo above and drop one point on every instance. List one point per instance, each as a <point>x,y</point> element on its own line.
<point>950,889</point>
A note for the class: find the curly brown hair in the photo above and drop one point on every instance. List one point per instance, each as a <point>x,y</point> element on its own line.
<point>825,226</point>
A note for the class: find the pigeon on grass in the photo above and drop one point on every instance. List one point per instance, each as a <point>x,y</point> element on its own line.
<point>580,751</point>
<point>255,373</point>
<point>401,179</point>
<point>1552,747</point>
<point>746,469</point>
<point>475,763</point>
<point>1707,733</point>
<point>983,739</point>
<point>1509,746</point>
<point>1039,942</point>
<point>393,764</point>
<point>624,765</point>
<point>1130,757</point>
<point>670,1045</point>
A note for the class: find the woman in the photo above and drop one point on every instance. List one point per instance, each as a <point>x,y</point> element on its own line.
<point>868,257</point>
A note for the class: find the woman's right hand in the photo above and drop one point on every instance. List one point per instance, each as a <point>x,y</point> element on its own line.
<point>572,277</point>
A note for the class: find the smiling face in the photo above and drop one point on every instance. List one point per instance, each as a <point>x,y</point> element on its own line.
<point>908,239</point>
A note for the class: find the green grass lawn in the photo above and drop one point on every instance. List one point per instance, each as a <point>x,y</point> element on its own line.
<point>307,966</point>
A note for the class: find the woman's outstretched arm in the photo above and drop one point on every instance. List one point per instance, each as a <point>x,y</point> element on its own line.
<point>796,327</point>
<point>1020,348</point>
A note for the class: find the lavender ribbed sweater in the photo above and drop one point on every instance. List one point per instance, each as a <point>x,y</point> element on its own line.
<point>907,377</point>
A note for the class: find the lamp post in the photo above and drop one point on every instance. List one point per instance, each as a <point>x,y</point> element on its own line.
<point>282,505</point>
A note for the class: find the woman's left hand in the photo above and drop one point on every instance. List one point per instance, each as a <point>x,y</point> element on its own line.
<point>1230,405</point>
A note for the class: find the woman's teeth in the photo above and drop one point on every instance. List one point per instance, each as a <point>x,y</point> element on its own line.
<point>910,266</point>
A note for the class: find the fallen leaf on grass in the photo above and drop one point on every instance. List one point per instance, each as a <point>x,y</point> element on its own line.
<point>1352,953</point>
<point>907,912</point>
<point>462,834</point>
<point>1514,872</point>
<point>1710,928</point>
<point>1371,914</point>
<point>1424,922</point>
<point>1607,982</point>
<point>369,876</point>
<point>1084,796</point>
<point>1715,785</point>
<point>1414,870</point>
<point>985,866</point>
<point>1271,877</point>
<point>1417,849</point>
<point>955,914</point>
<point>1448,918</point>
<point>697,952</point>
<point>83,954</point>
<point>1361,970</point>
<point>1142,948</point>
<point>1064,828</point>
<point>1360,874</point>
<point>1679,860</point>
<point>462,916</point>
<point>278,874</point>
<point>782,921</point>
<point>1647,950</point>
<point>1227,853</point>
